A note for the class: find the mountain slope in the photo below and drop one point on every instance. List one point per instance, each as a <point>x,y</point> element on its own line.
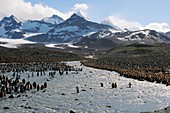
<point>35,26</point>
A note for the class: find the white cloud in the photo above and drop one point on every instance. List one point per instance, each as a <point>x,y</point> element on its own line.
<point>80,7</point>
<point>26,10</point>
<point>160,27</point>
<point>81,10</point>
<point>132,25</point>
<point>122,23</point>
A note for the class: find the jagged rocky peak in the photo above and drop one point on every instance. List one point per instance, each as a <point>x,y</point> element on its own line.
<point>81,22</point>
<point>9,23</point>
<point>10,19</point>
<point>56,16</point>
<point>13,17</point>
<point>75,18</point>
<point>79,15</point>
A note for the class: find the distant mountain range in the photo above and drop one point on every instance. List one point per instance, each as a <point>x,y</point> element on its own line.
<point>78,30</point>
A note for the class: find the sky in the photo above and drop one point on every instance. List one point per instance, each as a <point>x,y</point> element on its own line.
<point>130,14</point>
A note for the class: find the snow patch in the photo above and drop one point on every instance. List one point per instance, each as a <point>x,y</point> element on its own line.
<point>62,46</point>
<point>88,34</point>
<point>31,34</point>
<point>123,39</point>
<point>146,33</point>
<point>14,43</point>
<point>72,46</point>
<point>103,35</point>
<point>54,46</point>
<point>115,31</point>
<point>17,30</point>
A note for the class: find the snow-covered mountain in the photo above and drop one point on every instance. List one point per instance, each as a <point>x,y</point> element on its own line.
<point>123,38</point>
<point>41,26</point>
<point>54,19</point>
<point>142,36</point>
<point>71,30</point>
<point>10,27</point>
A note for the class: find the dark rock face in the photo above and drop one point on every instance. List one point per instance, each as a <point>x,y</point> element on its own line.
<point>6,107</point>
<point>71,111</point>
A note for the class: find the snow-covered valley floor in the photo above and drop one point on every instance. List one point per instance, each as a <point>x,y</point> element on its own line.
<point>61,95</point>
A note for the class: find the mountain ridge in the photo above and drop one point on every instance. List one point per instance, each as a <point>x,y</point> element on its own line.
<point>77,30</point>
